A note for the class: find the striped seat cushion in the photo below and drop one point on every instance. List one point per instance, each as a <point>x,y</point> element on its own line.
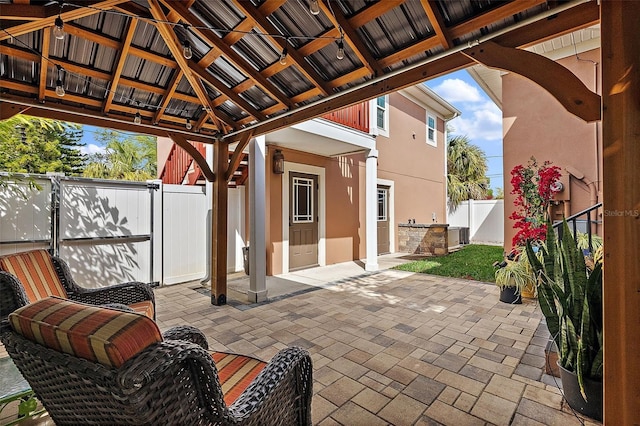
<point>107,336</point>
<point>35,271</point>
<point>236,372</point>
<point>144,307</point>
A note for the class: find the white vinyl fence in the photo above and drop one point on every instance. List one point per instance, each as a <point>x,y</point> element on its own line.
<point>484,218</point>
<point>116,231</point>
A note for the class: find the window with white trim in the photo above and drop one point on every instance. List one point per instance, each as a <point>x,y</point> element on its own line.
<point>431,131</point>
<point>382,115</point>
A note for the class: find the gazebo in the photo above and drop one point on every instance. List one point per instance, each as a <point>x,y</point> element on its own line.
<point>223,73</point>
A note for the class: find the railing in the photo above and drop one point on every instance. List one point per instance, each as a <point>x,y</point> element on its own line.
<point>356,116</point>
<point>572,221</point>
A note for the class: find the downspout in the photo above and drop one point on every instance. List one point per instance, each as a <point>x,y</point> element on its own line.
<point>593,189</point>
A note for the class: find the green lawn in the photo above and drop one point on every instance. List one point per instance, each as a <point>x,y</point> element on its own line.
<point>473,262</point>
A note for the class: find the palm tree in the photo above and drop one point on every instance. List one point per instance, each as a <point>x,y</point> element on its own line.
<point>128,157</point>
<point>466,171</point>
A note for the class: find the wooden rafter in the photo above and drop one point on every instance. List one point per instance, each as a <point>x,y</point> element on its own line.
<point>172,43</point>
<point>323,40</point>
<point>184,143</point>
<point>352,38</point>
<point>493,15</point>
<point>267,27</point>
<point>122,58</point>
<point>225,91</point>
<point>373,11</point>
<point>70,15</point>
<point>435,17</point>
<point>167,95</point>
<point>209,36</point>
<point>77,31</point>
<point>44,65</point>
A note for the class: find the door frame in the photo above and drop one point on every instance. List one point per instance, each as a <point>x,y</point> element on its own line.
<point>311,170</point>
<point>391,213</point>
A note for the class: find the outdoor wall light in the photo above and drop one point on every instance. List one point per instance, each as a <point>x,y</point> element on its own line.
<point>278,162</point>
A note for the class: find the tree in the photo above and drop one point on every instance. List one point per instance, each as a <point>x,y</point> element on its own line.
<point>126,157</point>
<point>466,171</point>
<point>39,145</point>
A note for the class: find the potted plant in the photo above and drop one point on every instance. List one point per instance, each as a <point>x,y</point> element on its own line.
<point>511,277</point>
<point>570,296</point>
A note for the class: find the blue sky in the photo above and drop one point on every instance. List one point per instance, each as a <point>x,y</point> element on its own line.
<point>481,119</point>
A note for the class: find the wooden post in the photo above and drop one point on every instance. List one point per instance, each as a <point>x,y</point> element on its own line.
<point>621,202</point>
<point>218,271</point>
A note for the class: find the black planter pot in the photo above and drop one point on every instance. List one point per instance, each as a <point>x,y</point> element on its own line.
<point>510,295</point>
<point>592,407</point>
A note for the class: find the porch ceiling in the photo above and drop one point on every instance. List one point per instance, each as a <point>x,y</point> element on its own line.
<point>321,137</point>
<point>119,58</point>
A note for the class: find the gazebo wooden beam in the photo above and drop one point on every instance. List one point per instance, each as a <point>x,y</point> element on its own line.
<point>218,271</point>
<point>435,17</point>
<point>44,65</point>
<point>621,202</point>
<point>122,52</point>
<point>184,143</point>
<point>172,43</point>
<point>577,17</point>
<point>48,21</point>
<point>561,83</point>
<point>92,118</point>
<point>259,16</point>
<point>237,156</point>
<point>352,38</point>
<point>209,36</point>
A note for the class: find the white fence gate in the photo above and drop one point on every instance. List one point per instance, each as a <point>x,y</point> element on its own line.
<point>117,231</point>
<point>484,218</point>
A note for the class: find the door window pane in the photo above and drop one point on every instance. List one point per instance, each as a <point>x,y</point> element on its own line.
<point>382,204</point>
<point>302,200</point>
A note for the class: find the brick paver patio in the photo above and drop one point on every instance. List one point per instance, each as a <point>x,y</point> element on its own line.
<point>395,348</point>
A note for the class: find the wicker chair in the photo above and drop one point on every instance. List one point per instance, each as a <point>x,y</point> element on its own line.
<point>20,286</point>
<point>168,382</point>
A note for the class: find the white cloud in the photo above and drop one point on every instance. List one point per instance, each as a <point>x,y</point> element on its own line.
<point>456,90</point>
<point>480,122</point>
<point>91,148</point>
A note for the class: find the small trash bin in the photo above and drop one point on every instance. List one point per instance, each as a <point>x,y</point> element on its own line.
<point>245,258</point>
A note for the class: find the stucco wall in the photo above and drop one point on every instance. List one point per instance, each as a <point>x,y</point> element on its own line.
<point>415,167</point>
<point>535,124</point>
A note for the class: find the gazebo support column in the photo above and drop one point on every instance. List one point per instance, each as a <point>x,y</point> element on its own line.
<point>621,197</point>
<point>219,224</point>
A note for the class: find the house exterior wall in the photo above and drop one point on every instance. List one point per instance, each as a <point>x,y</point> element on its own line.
<point>416,167</point>
<point>535,124</point>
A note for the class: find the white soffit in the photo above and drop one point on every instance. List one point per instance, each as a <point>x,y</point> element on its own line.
<point>322,137</point>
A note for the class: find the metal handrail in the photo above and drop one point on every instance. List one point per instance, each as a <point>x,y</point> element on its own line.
<point>573,221</point>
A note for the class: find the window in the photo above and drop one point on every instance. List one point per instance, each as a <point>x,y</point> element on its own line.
<point>382,115</point>
<point>431,131</point>
<point>302,200</point>
<point>382,204</point>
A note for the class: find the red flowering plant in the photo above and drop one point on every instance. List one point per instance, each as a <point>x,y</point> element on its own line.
<point>533,186</point>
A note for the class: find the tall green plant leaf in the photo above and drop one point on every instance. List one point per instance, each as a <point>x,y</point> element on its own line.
<point>575,274</point>
<point>545,279</point>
